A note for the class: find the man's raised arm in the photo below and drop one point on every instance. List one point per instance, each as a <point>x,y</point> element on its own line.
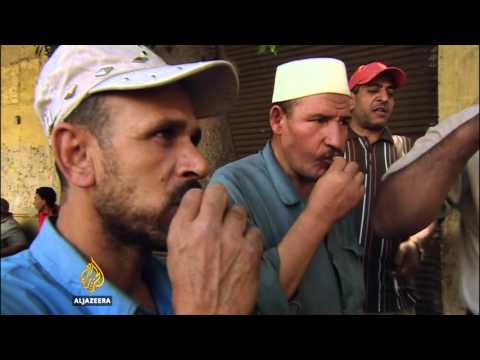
<point>414,188</point>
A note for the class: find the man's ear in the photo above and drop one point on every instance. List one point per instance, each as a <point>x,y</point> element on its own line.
<point>353,101</point>
<point>277,119</point>
<point>72,149</point>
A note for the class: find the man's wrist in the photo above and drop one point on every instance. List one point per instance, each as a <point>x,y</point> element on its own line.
<point>313,222</point>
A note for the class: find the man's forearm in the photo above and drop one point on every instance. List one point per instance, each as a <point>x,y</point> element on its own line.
<point>410,199</point>
<point>332,197</point>
<point>297,249</point>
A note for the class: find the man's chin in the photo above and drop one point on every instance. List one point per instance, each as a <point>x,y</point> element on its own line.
<point>378,123</point>
<point>313,175</point>
<point>159,238</point>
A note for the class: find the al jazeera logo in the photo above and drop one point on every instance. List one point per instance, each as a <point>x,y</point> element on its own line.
<point>91,278</point>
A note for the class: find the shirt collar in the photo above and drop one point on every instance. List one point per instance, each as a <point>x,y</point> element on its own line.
<point>281,182</point>
<point>386,135</point>
<point>64,264</point>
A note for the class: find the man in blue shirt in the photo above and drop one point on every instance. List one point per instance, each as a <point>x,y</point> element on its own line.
<point>299,191</point>
<point>123,127</point>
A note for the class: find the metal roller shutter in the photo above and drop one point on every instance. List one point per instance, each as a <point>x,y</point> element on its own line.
<point>415,110</point>
<point>416,104</point>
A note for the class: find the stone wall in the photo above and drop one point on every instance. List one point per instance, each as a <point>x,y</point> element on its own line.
<point>458,88</point>
<point>26,159</point>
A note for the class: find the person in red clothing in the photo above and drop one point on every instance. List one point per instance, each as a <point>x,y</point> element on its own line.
<point>45,203</point>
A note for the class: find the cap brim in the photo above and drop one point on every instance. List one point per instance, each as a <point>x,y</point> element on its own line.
<point>212,85</point>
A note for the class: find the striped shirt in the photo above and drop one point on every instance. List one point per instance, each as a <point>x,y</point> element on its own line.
<point>374,160</point>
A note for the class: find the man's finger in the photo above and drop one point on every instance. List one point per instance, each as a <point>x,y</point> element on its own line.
<point>338,164</point>
<point>351,168</point>
<point>399,257</point>
<point>214,203</point>
<point>190,205</point>
<point>235,220</point>
<point>255,239</point>
<point>359,178</point>
<point>362,190</point>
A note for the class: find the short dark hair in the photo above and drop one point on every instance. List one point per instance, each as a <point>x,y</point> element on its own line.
<point>287,106</point>
<point>47,194</point>
<point>92,115</point>
<point>5,206</point>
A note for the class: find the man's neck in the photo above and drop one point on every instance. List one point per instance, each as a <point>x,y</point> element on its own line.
<point>122,265</point>
<point>371,135</point>
<point>303,186</point>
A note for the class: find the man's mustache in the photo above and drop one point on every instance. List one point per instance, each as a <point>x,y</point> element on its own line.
<point>331,154</point>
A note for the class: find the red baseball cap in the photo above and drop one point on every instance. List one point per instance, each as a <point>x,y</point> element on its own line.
<point>365,73</point>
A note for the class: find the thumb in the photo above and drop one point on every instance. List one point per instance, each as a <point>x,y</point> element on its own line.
<point>400,256</point>
<point>338,164</point>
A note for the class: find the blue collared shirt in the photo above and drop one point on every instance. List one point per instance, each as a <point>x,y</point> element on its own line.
<point>333,281</point>
<point>44,279</point>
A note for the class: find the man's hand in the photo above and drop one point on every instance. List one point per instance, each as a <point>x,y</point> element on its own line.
<point>213,259</point>
<point>409,254</point>
<point>337,192</point>
<point>407,259</point>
